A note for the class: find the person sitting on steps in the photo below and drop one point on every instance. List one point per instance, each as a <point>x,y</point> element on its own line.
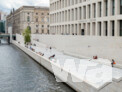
<point>95,57</point>
<point>52,56</point>
<point>113,63</point>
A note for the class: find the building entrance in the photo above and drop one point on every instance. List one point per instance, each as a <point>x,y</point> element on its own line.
<point>82,32</point>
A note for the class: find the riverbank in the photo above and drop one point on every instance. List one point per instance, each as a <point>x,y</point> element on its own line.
<point>66,71</point>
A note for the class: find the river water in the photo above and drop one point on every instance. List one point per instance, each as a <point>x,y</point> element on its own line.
<point>20,73</point>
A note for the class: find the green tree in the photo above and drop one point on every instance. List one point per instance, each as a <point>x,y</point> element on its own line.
<point>27,35</point>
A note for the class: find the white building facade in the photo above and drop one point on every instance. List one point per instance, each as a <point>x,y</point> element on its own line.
<point>86,17</point>
<point>3,16</point>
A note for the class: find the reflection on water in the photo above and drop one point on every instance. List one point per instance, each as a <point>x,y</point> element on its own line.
<point>3,41</point>
<point>20,73</point>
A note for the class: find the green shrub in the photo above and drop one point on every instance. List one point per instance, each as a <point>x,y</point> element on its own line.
<point>27,35</point>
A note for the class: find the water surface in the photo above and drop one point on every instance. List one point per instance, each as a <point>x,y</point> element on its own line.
<point>20,73</point>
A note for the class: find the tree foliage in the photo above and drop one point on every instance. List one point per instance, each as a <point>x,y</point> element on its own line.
<point>27,35</point>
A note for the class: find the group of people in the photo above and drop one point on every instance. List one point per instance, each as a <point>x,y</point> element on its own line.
<point>112,63</point>
<point>29,46</point>
<point>53,56</point>
<point>42,54</point>
<point>32,49</point>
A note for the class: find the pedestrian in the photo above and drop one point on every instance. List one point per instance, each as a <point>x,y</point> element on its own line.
<point>113,63</point>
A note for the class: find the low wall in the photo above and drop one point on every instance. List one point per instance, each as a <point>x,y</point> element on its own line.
<point>19,38</point>
<point>88,46</point>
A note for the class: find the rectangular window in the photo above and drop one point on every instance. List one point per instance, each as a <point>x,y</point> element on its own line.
<point>42,31</point>
<point>37,31</point>
<point>113,7</point>
<point>120,27</point>
<point>80,13</point>
<point>106,28</point>
<point>94,10</point>
<point>99,9</point>
<point>99,32</point>
<point>112,28</point>
<point>106,4</point>
<point>28,19</point>
<point>84,12</point>
<point>89,11</point>
<point>36,19</point>
<point>120,6</point>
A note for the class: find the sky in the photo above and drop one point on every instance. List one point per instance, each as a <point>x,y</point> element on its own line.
<point>8,5</point>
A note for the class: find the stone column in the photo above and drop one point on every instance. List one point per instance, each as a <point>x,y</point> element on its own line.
<point>56,17</point>
<point>55,5</point>
<point>74,30</point>
<point>61,16</point>
<point>70,29</point>
<point>74,15</point>
<point>61,29</point>
<point>67,15</point>
<point>67,29</point>
<point>70,2</point>
<point>71,15</point>
<point>86,28</point>
<point>91,29</point>
<point>57,30</point>
<point>81,28</point>
<point>63,3</point>
<point>117,27</point>
<point>64,16</point>
<point>91,13</point>
<point>96,29</point>
<point>81,15</point>
<point>67,2</point>
<point>96,10</point>
<point>87,12</point>
<point>78,13</point>
<point>102,28</point>
<point>103,5</point>
<point>109,29</point>
<point>116,7</point>
<point>78,32</point>
<point>109,7</point>
<point>53,30</point>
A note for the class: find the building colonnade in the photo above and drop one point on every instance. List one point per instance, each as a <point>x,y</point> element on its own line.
<point>86,17</point>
